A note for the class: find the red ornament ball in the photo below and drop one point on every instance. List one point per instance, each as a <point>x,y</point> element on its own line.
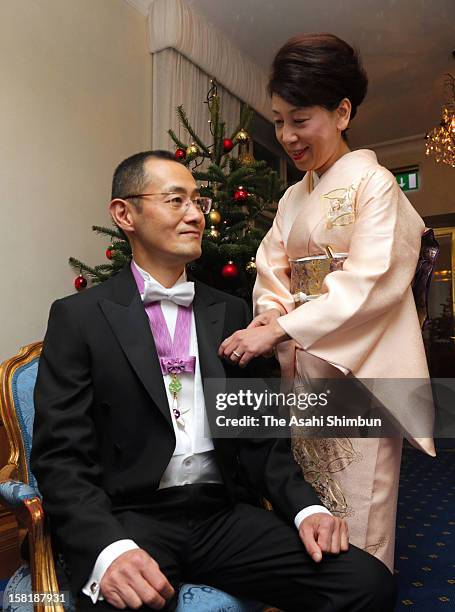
<point>229,270</point>
<point>228,145</point>
<point>240,194</point>
<point>80,282</point>
<point>180,154</point>
<point>110,252</point>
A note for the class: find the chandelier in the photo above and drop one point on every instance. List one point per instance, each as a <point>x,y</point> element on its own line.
<point>440,141</point>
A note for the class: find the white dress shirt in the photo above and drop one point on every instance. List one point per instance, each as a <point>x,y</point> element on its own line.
<point>193,458</point>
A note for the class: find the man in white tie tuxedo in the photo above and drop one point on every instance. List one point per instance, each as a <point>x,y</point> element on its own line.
<point>138,499</point>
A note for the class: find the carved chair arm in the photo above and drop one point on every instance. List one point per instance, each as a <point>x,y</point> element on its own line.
<point>13,492</point>
<point>8,472</point>
<point>25,503</point>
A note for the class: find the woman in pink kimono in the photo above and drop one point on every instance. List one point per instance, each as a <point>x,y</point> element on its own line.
<point>364,322</point>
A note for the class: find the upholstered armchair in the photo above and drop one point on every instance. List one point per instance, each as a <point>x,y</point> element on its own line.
<point>19,493</point>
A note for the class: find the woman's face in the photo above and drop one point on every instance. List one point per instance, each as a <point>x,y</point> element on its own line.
<point>311,135</point>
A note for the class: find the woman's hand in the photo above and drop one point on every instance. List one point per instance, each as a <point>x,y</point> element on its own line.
<point>251,342</point>
<point>265,318</point>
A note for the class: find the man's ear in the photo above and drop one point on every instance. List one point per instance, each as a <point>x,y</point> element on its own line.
<point>120,211</point>
<point>344,114</point>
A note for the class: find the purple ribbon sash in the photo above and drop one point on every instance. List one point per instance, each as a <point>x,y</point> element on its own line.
<point>173,353</point>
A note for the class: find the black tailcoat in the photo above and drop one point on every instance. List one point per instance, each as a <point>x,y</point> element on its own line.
<point>103,434</point>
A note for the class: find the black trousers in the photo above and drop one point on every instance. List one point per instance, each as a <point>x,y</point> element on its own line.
<point>196,536</point>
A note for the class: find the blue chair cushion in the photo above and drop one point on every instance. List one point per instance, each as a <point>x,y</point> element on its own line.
<point>201,598</point>
<point>20,582</point>
<point>18,587</point>
<point>22,386</point>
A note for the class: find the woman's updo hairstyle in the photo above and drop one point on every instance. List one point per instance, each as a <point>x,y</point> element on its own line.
<point>318,70</point>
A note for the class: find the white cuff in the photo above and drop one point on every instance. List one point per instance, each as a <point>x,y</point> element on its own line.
<point>103,561</point>
<point>303,514</point>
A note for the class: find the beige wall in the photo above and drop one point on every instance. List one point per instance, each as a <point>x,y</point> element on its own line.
<point>436,194</point>
<point>74,101</point>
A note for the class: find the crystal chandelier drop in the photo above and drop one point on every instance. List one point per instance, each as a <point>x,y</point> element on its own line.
<point>440,141</point>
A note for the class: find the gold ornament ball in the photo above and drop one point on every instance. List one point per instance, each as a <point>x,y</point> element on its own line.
<point>214,233</point>
<point>214,217</point>
<point>251,266</point>
<point>242,136</point>
<point>192,150</point>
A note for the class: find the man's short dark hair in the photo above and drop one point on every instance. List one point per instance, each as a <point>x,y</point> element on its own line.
<point>130,176</point>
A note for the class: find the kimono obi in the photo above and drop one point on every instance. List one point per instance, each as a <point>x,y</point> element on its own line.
<point>308,274</point>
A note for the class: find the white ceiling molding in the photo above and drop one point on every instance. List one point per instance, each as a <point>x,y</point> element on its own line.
<point>414,140</point>
<point>140,5</point>
<point>392,152</point>
<point>172,24</point>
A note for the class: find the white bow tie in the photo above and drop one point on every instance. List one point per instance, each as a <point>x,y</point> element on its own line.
<point>181,294</point>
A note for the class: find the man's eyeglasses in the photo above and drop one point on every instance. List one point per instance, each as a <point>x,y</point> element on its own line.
<point>178,201</point>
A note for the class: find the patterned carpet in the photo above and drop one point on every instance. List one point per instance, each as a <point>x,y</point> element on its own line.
<point>425,549</point>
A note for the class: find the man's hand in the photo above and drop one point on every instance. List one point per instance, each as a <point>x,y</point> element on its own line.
<point>323,533</point>
<point>134,579</point>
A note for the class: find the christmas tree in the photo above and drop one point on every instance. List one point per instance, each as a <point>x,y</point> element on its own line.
<point>241,189</point>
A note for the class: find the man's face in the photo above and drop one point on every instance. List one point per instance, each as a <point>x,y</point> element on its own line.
<point>161,231</point>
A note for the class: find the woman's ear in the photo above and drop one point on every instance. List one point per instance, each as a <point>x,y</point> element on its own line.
<point>344,114</point>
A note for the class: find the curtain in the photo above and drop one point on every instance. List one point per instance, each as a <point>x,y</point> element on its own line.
<point>186,52</point>
<point>176,80</point>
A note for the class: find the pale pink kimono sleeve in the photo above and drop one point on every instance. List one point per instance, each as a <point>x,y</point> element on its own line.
<point>271,289</point>
<point>345,323</point>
